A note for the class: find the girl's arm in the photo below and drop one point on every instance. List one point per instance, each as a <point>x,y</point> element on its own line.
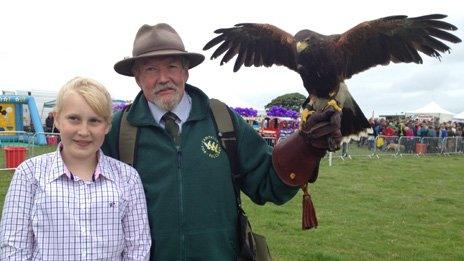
<point>135,224</point>
<point>16,235</point>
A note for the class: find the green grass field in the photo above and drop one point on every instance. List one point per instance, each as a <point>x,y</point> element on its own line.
<point>402,209</point>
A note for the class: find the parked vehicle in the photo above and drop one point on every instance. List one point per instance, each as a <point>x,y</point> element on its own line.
<point>275,128</point>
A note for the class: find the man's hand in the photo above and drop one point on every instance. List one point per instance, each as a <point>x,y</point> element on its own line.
<point>296,158</point>
<point>322,129</point>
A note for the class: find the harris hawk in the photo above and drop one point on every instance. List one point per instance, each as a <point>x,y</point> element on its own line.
<point>325,61</point>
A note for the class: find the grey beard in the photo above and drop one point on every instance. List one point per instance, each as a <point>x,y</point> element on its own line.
<point>167,105</point>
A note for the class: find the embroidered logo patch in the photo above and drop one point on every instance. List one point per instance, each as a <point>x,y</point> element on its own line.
<point>210,146</point>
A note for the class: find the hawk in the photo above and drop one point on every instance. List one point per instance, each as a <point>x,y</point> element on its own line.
<point>324,62</point>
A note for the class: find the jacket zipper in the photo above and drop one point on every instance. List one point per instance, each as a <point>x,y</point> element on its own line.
<point>181,206</point>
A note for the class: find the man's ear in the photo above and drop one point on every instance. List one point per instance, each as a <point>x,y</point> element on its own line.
<point>186,74</point>
<point>137,81</point>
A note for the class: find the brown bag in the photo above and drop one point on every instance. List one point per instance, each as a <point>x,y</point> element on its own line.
<point>252,246</point>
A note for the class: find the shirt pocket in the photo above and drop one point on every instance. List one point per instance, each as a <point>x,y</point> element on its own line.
<point>53,211</point>
<point>106,214</point>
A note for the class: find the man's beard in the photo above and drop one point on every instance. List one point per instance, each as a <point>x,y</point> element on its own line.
<point>170,102</point>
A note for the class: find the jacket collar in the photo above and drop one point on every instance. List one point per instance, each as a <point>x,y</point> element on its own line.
<point>140,115</point>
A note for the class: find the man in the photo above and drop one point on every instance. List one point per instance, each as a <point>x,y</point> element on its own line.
<point>189,189</point>
<point>49,124</point>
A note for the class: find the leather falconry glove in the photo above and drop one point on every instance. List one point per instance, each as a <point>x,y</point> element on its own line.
<point>296,159</point>
<point>322,129</point>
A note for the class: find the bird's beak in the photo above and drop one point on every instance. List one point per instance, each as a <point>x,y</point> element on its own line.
<point>300,46</point>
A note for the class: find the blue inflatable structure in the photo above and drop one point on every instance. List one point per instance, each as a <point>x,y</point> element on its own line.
<point>18,102</point>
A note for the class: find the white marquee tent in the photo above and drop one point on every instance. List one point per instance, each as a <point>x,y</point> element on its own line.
<point>431,110</point>
<point>459,117</point>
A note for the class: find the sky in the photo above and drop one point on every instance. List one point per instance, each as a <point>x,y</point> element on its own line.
<point>45,43</point>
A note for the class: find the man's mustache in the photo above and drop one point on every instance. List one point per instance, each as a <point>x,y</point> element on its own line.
<point>166,86</point>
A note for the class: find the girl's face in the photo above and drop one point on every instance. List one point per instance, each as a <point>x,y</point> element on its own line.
<point>82,130</point>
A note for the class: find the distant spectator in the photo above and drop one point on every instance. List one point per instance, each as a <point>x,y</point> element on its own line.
<point>423,130</point>
<point>443,133</point>
<point>459,132</point>
<point>432,132</point>
<point>49,122</point>
<point>408,143</point>
<point>373,134</point>
<point>401,129</point>
<point>408,132</point>
<point>376,127</point>
<point>388,130</point>
<point>416,129</point>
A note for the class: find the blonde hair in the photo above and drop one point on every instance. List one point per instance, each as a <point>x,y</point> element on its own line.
<point>93,92</point>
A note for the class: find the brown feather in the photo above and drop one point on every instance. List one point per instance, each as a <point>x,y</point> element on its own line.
<point>241,58</point>
<point>441,25</point>
<point>221,49</point>
<point>233,50</point>
<point>443,35</point>
<point>214,42</point>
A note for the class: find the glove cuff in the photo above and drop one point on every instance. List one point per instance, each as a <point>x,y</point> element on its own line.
<point>296,162</point>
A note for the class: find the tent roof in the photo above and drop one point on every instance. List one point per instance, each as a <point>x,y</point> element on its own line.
<point>431,107</point>
<point>459,116</point>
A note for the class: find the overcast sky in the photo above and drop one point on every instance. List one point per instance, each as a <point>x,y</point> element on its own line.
<point>44,43</point>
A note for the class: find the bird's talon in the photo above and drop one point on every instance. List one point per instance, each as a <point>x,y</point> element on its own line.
<point>334,104</point>
<point>305,114</point>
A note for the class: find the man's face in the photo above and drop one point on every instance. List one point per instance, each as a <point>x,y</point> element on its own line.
<point>162,80</point>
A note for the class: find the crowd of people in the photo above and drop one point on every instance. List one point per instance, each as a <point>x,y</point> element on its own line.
<point>386,132</point>
<point>415,128</point>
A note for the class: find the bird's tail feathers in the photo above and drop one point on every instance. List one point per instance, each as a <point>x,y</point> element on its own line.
<point>357,137</point>
<point>353,123</point>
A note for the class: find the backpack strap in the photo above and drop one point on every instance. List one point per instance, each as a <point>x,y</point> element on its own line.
<point>128,135</point>
<point>226,133</point>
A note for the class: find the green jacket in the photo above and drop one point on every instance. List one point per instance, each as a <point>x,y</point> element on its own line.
<point>190,197</point>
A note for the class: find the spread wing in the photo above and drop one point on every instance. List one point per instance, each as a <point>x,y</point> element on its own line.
<point>396,39</point>
<point>255,44</point>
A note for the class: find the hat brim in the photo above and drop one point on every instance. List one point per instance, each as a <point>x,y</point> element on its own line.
<point>124,67</point>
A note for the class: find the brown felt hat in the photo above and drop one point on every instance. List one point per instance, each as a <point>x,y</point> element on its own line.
<point>156,40</point>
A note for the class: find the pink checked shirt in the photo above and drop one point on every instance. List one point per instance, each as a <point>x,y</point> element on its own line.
<point>50,214</point>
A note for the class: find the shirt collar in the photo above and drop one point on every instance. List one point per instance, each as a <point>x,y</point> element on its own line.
<point>58,168</point>
<point>140,115</point>
<point>182,110</point>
